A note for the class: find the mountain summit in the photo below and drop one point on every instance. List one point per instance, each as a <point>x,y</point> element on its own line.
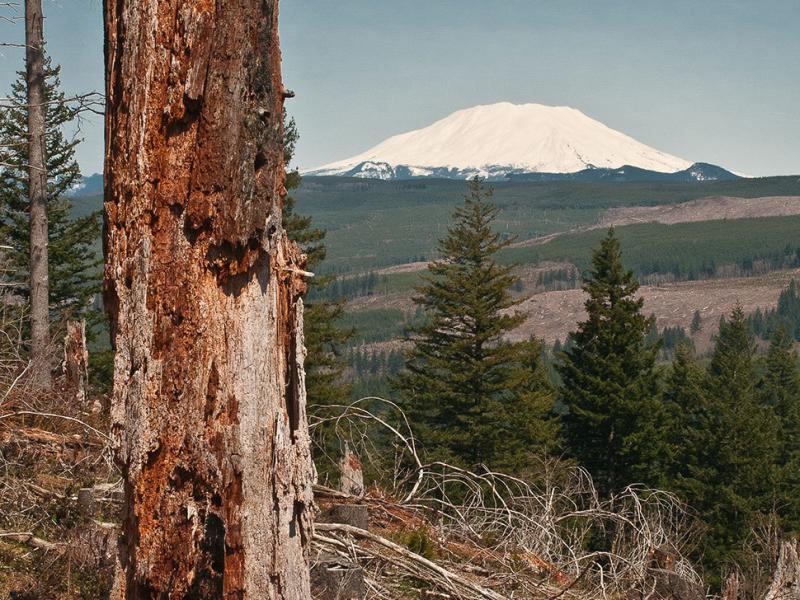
<point>498,140</point>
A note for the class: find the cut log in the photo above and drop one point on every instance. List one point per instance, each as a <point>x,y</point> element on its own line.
<point>203,292</point>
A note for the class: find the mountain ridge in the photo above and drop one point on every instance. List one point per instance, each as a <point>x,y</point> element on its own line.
<point>504,140</point>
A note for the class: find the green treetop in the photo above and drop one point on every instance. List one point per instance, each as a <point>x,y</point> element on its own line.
<point>457,384</point>
<point>74,261</point>
<point>780,390</point>
<point>324,338</point>
<point>615,423</point>
<point>732,479</point>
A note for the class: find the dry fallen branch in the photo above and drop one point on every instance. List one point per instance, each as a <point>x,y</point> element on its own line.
<point>453,580</point>
<point>32,540</point>
<point>531,535</point>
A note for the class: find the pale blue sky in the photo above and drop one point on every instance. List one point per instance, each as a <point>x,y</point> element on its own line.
<point>711,80</point>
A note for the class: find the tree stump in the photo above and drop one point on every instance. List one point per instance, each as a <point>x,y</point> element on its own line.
<point>86,506</point>
<point>352,474</point>
<point>786,580</point>
<point>356,515</point>
<point>333,578</point>
<point>76,362</point>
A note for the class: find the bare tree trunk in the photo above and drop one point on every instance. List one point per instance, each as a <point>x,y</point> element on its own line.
<point>786,579</point>
<point>203,290</point>
<point>37,194</point>
<point>76,363</point>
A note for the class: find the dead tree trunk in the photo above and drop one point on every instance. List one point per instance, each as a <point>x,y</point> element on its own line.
<point>76,362</point>
<point>786,579</point>
<point>37,194</point>
<point>203,290</point>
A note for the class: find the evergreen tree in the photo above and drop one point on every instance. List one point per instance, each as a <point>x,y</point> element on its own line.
<point>687,408</point>
<point>457,385</point>
<point>532,418</point>
<point>697,323</point>
<point>786,315</point>
<point>780,389</point>
<point>732,478</point>
<point>615,423</point>
<point>74,262</point>
<point>324,338</point>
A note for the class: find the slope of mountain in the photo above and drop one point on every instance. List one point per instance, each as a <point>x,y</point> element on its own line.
<point>629,173</point>
<point>89,185</point>
<point>504,139</point>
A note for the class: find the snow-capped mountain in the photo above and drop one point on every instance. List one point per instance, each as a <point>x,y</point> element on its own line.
<point>504,139</point>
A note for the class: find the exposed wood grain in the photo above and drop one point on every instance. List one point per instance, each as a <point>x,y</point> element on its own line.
<point>203,290</point>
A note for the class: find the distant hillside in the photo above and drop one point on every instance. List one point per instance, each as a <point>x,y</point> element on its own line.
<point>90,185</point>
<point>630,174</point>
<point>375,224</point>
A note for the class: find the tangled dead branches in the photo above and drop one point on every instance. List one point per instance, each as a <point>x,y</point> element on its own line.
<point>51,450</point>
<point>545,537</point>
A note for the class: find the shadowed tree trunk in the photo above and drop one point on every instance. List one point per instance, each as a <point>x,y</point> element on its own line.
<point>37,194</point>
<point>203,290</point>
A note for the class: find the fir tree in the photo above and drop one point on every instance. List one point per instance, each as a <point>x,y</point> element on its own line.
<point>697,323</point>
<point>324,338</point>
<point>457,385</point>
<point>614,424</point>
<point>74,264</point>
<point>732,479</point>
<point>687,409</point>
<point>780,389</point>
<point>532,418</point>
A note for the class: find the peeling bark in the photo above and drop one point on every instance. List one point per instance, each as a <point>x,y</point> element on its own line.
<point>352,473</point>
<point>76,362</point>
<point>786,579</point>
<point>203,290</point>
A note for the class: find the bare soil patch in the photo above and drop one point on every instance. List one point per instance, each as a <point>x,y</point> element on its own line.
<point>552,315</point>
<point>711,208</point>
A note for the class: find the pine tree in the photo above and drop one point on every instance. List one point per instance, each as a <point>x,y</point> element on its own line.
<point>687,409</point>
<point>456,387</point>
<point>697,323</point>
<point>732,480</point>
<point>615,422</point>
<point>74,264</point>
<point>533,418</point>
<point>324,338</point>
<point>780,389</point>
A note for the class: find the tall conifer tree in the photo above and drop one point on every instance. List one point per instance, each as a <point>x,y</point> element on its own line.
<point>780,390</point>
<point>74,263</point>
<point>615,423</point>
<point>457,385</point>
<point>536,427</point>
<point>687,414</point>
<point>324,363</point>
<point>732,479</point>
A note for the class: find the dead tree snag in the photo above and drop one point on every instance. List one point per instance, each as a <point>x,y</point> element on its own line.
<point>203,290</point>
<point>37,194</point>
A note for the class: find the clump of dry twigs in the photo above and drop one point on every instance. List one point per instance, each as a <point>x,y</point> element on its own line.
<point>499,536</point>
<point>58,485</point>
